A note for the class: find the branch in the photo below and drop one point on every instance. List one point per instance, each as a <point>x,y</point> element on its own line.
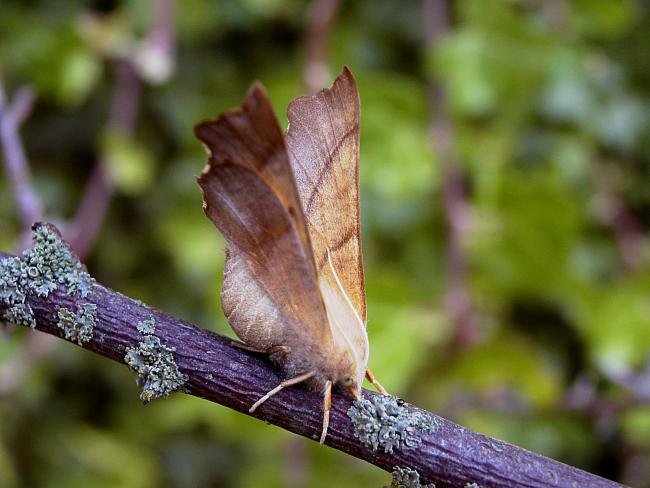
<point>98,192</point>
<point>624,225</point>
<point>321,18</point>
<point>161,34</point>
<point>124,108</point>
<point>227,375</point>
<point>16,164</point>
<point>16,370</point>
<point>22,104</point>
<point>83,229</point>
<point>457,213</point>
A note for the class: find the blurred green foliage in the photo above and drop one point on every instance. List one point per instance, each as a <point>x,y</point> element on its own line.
<point>549,102</point>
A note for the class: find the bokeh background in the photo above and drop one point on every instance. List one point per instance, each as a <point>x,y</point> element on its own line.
<point>505,173</point>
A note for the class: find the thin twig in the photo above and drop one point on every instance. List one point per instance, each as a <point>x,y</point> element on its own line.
<point>123,113</point>
<point>90,214</point>
<point>614,213</point>
<point>12,115</point>
<point>628,233</point>
<point>636,383</point>
<point>161,34</point>
<point>457,212</point>
<point>321,18</point>
<point>450,457</point>
<point>22,104</point>
<point>16,164</point>
<point>99,189</point>
<point>82,231</point>
<point>15,371</point>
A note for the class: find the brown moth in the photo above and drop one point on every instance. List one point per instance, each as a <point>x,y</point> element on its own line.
<point>288,207</point>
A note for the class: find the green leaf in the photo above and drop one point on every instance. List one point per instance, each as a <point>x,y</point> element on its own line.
<point>508,363</point>
<point>614,322</point>
<point>636,426</point>
<point>129,163</point>
<point>79,72</point>
<point>85,456</point>
<point>524,247</point>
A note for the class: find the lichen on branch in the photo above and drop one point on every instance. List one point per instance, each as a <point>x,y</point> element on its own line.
<point>407,478</point>
<point>79,326</point>
<point>384,421</point>
<point>40,270</point>
<point>154,365</point>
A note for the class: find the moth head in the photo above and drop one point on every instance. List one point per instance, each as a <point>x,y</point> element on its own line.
<point>352,385</point>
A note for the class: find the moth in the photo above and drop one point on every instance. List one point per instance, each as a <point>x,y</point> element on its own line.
<point>288,208</point>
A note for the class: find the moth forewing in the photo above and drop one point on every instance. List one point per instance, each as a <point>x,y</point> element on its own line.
<point>323,143</point>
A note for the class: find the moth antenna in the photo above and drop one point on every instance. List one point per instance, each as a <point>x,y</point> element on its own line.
<point>371,377</point>
<point>284,384</point>
<point>345,295</point>
<point>327,406</point>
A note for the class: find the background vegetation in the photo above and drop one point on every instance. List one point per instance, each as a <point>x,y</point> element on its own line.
<point>508,275</point>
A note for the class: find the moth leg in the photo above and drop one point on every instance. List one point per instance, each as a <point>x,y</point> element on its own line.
<point>371,377</point>
<point>246,347</point>
<point>284,384</point>
<point>273,350</point>
<point>327,406</point>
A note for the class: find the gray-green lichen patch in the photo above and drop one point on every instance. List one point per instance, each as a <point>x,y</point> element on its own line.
<point>79,326</point>
<point>50,262</point>
<point>155,367</point>
<point>383,422</point>
<point>40,270</point>
<point>407,478</point>
<point>147,327</point>
<point>13,275</point>
<point>13,292</point>
<point>21,314</point>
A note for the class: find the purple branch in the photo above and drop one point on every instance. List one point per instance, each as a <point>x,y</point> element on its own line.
<point>457,212</point>
<point>16,164</point>
<point>216,371</point>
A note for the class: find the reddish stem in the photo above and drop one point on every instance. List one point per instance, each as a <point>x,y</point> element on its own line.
<point>457,212</point>
<point>16,164</point>
<point>99,189</point>
<point>321,18</point>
